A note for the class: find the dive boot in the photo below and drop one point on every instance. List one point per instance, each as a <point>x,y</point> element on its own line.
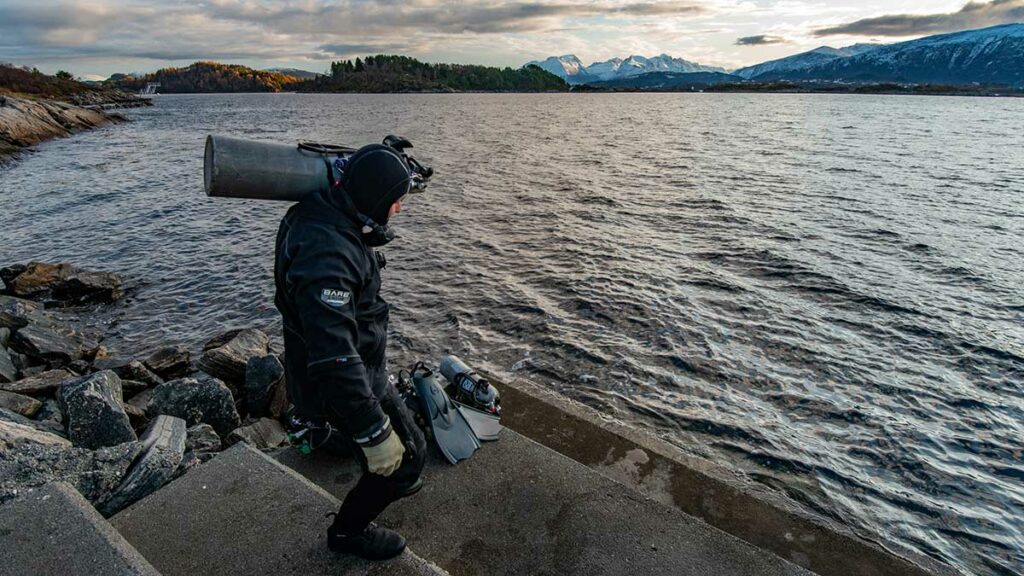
<point>374,543</point>
<point>452,433</point>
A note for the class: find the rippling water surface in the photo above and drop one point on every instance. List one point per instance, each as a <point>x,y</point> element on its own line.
<point>823,291</point>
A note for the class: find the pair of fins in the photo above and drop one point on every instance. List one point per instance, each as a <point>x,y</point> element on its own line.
<point>458,429</point>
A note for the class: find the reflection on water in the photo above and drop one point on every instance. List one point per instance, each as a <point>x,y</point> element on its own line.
<point>824,291</point>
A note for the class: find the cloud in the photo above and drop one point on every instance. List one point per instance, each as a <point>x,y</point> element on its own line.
<point>760,40</point>
<point>972,15</point>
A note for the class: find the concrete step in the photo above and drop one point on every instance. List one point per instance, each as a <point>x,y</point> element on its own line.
<point>243,514</point>
<point>53,530</point>
<point>517,507</point>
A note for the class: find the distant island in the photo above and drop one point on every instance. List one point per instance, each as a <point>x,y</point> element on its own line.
<point>207,77</point>
<point>374,74</point>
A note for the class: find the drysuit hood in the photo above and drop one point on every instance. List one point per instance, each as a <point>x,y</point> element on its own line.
<point>374,178</point>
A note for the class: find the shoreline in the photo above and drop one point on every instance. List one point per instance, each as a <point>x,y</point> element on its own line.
<point>120,428</point>
<point>26,122</point>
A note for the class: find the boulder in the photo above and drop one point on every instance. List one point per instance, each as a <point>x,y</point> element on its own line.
<point>8,371</point>
<point>205,400</point>
<point>65,284</point>
<point>41,425</point>
<point>5,337</point>
<point>23,405</point>
<point>94,411</point>
<point>58,345</point>
<point>169,362</point>
<point>202,438</point>
<point>264,387</point>
<point>13,435</point>
<point>262,434</point>
<point>44,384</point>
<point>94,473</point>
<point>163,445</point>
<point>227,356</point>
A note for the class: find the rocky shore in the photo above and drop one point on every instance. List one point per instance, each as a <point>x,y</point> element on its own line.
<point>26,122</point>
<point>118,428</point>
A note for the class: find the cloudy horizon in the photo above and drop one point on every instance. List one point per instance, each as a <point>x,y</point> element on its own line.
<point>98,38</point>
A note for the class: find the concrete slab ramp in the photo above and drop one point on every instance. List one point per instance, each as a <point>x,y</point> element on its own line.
<point>243,514</point>
<point>517,507</point>
<point>53,530</point>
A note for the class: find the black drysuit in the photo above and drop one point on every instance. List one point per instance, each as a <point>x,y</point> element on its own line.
<point>335,335</point>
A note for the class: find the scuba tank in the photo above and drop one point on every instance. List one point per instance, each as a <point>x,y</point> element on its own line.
<point>237,168</point>
<point>470,388</point>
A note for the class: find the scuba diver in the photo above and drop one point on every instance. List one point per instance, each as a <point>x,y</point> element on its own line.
<point>327,277</point>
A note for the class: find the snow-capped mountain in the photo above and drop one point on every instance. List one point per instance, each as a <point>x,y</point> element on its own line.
<point>571,69</point>
<point>987,56</point>
<point>803,60</point>
<point>568,67</point>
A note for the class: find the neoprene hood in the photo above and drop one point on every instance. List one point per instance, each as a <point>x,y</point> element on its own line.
<point>374,178</point>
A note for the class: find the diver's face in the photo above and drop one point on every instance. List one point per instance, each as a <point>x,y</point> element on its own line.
<point>395,208</point>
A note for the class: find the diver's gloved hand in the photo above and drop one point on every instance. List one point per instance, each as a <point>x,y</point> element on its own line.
<point>383,451</point>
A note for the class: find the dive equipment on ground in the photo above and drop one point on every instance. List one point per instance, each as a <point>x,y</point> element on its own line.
<point>476,398</point>
<point>451,431</point>
<point>238,168</point>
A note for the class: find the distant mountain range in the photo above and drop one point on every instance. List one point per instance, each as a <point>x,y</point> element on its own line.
<point>987,56</point>
<point>572,70</point>
<point>803,60</point>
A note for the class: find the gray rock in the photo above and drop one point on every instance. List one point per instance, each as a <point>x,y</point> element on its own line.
<point>137,416</point>
<point>80,367</point>
<point>13,435</point>
<point>163,446</point>
<point>17,313</point>
<point>5,337</point>
<point>263,378</point>
<point>65,284</point>
<point>263,434</point>
<point>138,372</point>
<point>44,384</point>
<point>196,401</point>
<point>131,388</point>
<point>8,371</point>
<point>9,273</point>
<point>203,438</point>
<point>142,399</point>
<point>51,416</point>
<point>94,411</point>
<point>23,405</point>
<point>41,425</point>
<point>227,356</point>
<point>95,473</point>
<point>58,345</point>
<point>169,362</point>
<point>33,371</point>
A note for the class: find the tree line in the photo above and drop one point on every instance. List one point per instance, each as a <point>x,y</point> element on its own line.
<point>390,73</point>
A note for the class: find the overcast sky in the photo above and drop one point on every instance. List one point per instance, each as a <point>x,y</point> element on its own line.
<point>99,37</point>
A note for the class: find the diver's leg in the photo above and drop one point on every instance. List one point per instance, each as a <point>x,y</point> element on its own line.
<point>351,531</point>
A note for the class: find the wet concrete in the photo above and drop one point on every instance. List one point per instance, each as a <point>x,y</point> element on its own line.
<point>517,507</point>
<point>700,488</point>
<point>53,530</point>
<point>243,514</point>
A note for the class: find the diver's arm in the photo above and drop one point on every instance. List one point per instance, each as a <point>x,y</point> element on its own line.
<point>327,279</point>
